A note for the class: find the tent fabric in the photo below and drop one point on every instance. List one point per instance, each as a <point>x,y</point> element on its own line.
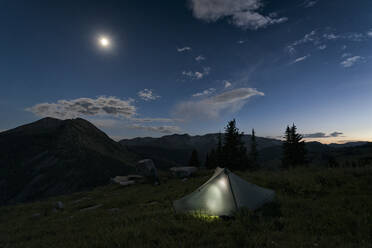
<point>223,194</point>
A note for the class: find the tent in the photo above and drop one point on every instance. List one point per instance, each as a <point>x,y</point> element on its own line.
<point>222,194</point>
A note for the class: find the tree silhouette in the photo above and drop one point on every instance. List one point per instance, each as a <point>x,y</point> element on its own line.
<point>253,154</point>
<point>219,159</point>
<point>210,162</point>
<point>294,151</point>
<point>234,150</point>
<point>194,159</point>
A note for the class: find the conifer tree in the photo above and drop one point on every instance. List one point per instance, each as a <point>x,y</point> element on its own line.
<point>253,152</point>
<point>210,163</point>
<point>234,150</point>
<point>194,159</point>
<point>294,151</point>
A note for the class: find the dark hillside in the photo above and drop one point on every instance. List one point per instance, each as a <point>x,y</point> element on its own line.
<point>51,157</point>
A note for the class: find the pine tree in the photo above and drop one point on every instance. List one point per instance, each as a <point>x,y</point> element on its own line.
<point>294,151</point>
<point>234,150</point>
<point>299,151</point>
<point>253,152</point>
<point>287,149</point>
<point>194,159</point>
<point>210,163</point>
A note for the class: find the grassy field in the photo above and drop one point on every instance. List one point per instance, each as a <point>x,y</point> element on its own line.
<point>314,208</point>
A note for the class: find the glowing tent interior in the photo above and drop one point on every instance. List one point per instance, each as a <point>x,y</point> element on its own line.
<point>223,194</point>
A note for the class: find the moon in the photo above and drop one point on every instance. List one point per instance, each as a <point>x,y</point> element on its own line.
<point>104,42</point>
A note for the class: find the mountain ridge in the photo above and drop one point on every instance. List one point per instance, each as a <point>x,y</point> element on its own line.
<point>51,157</point>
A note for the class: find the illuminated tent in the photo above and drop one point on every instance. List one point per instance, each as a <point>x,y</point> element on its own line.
<point>222,194</point>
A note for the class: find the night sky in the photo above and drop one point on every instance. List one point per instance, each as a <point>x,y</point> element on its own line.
<point>151,68</point>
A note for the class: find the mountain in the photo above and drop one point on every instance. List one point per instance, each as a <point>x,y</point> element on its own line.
<point>174,150</point>
<point>348,144</point>
<point>51,157</point>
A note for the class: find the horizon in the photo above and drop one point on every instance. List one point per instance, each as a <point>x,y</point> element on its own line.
<point>144,69</point>
<point>280,138</point>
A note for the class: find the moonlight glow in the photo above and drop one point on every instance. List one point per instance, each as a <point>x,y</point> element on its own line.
<point>104,42</point>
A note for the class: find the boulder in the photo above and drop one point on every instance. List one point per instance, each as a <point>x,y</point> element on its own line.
<point>183,172</point>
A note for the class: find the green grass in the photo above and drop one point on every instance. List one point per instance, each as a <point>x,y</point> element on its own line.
<point>314,208</point>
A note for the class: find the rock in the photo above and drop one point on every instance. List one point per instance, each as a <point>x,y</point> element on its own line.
<point>126,183</point>
<point>182,172</point>
<point>60,205</point>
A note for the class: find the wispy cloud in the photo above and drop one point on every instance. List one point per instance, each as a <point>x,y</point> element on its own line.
<point>100,106</point>
<point>320,37</point>
<point>157,129</point>
<point>147,95</point>
<point>344,55</point>
<point>200,58</point>
<point>227,84</point>
<point>241,13</point>
<point>213,106</point>
<point>204,92</point>
<point>196,75</point>
<point>184,49</point>
<point>349,62</point>
<point>146,120</point>
<point>310,3</point>
<point>320,135</point>
<point>369,33</point>
<point>300,59</point>
<point>322,47</point>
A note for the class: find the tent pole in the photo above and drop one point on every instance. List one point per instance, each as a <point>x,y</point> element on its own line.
<point>232,192</point>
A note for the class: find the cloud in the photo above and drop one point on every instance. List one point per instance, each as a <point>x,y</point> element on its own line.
<point>335,134</point>
<point>322,47</point>
<point>315,135</point>
<point>199,58</point>
<point>320,37</point>
<point>300,59</point>
<point>369,33</point>
<point>310,3</point>
<point>241,41</point>
<point>67,109</point>
<point>320,135</point>
<point>331,36</point>
<point>212,107</point>
<point>344,55</point>
<point>154,119</point>
<point>183,49</point>
<point>147,95</point>
<point>204,92</point>
<point>196,75</point>
<point>158,129</point>
<point>227,84</point>
<point>349,62</point>
<point>241,13</point>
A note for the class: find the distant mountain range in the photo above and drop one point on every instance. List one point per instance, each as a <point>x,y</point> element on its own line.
<point>51,157</point>
<point>175,150</point>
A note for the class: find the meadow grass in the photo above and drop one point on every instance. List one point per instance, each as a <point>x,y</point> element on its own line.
<point>315,207</point>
